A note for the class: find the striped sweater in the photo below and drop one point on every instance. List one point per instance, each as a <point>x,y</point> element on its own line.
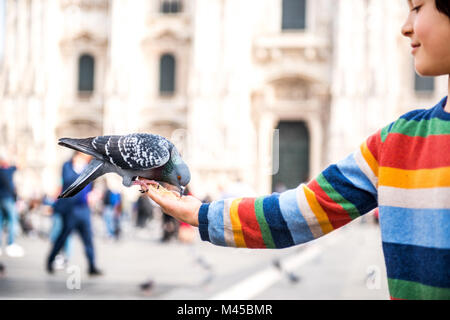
<point>403,169</point>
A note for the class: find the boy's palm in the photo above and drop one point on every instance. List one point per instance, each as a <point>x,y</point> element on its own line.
<point>184,209</point>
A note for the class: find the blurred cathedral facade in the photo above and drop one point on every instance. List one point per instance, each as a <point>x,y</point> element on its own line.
<point>267,92</point>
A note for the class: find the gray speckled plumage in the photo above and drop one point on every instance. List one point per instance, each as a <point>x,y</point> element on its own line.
<point>134,155</point>
<point>136,151</point>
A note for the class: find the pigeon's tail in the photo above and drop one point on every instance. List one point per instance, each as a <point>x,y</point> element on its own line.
<point>82,145</point>
<point>94,170</point>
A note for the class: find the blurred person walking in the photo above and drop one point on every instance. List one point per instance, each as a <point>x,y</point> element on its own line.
<point>61,207</point>
<point>144,211</point>
<point>170,227</point>
<point>2,270</point>
<point>76,214</point>
<point>112,212</point>
<point>8,198</point>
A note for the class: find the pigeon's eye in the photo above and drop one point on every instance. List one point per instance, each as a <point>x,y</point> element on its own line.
<point>179,177</point>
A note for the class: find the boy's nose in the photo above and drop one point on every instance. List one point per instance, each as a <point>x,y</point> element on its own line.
<point>407,28</point>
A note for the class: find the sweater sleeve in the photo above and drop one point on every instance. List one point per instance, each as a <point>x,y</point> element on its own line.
<point>339,194</point>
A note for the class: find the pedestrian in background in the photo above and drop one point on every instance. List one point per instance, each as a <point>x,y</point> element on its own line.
<point>61,207</point>
<point>8,212</point>
<point>76,214</point>
<point>144,211</point>
<point>112,211</point>
<point>170,227</point>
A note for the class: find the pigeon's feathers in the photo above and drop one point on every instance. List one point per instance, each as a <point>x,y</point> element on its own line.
<point>92,171</point>
<point>136,151</point>
<point>83,145</point>
<point>149,156</point>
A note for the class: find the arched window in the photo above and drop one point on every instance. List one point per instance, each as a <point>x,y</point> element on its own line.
<point>86,64</point>
<point>423,84</point>
<point>167,74</point>
<point>294,15</point>
<point>170,6</point>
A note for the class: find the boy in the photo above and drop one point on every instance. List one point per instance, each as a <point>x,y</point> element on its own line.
<point>403,169</point>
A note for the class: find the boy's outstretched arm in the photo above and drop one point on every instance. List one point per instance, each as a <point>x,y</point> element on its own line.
<point>342,192</point>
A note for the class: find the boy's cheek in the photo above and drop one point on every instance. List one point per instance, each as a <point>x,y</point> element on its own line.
<point>422,31</point>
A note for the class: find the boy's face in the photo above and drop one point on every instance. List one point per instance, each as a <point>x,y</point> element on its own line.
<point>429,31</point>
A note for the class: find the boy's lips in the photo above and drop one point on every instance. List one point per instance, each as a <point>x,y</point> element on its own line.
<point>414,46</point>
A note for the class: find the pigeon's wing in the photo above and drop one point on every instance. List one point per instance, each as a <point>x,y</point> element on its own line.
<point>137,151</point>
<point>90,173</point>
<point>82,145</point>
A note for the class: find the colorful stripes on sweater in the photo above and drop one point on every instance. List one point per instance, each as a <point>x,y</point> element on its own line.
<point>404,169</point>
<point>414,202</point>
<point>340,194</point>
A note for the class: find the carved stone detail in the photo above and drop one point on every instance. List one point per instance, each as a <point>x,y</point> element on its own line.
<point>291,89</point>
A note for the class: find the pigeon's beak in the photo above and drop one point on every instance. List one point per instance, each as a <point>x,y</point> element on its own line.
<point>182,191</point>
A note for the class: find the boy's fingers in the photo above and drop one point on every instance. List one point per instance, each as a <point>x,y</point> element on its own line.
<point>161,199</point>
<point>154,195</point>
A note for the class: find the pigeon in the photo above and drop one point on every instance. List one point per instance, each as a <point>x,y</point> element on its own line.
<point>147,285</point>
<point>293,278</point>
<point>133,156</point>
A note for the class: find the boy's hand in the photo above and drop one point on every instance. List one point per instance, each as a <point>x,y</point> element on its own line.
<point>184,209</point>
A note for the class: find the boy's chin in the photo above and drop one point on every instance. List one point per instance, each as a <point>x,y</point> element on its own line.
<point>425,70</point>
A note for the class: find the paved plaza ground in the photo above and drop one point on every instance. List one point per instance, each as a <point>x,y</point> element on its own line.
<point>346,264</point>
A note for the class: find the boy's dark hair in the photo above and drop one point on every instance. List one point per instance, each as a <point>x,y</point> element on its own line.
<point>443,6</point>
